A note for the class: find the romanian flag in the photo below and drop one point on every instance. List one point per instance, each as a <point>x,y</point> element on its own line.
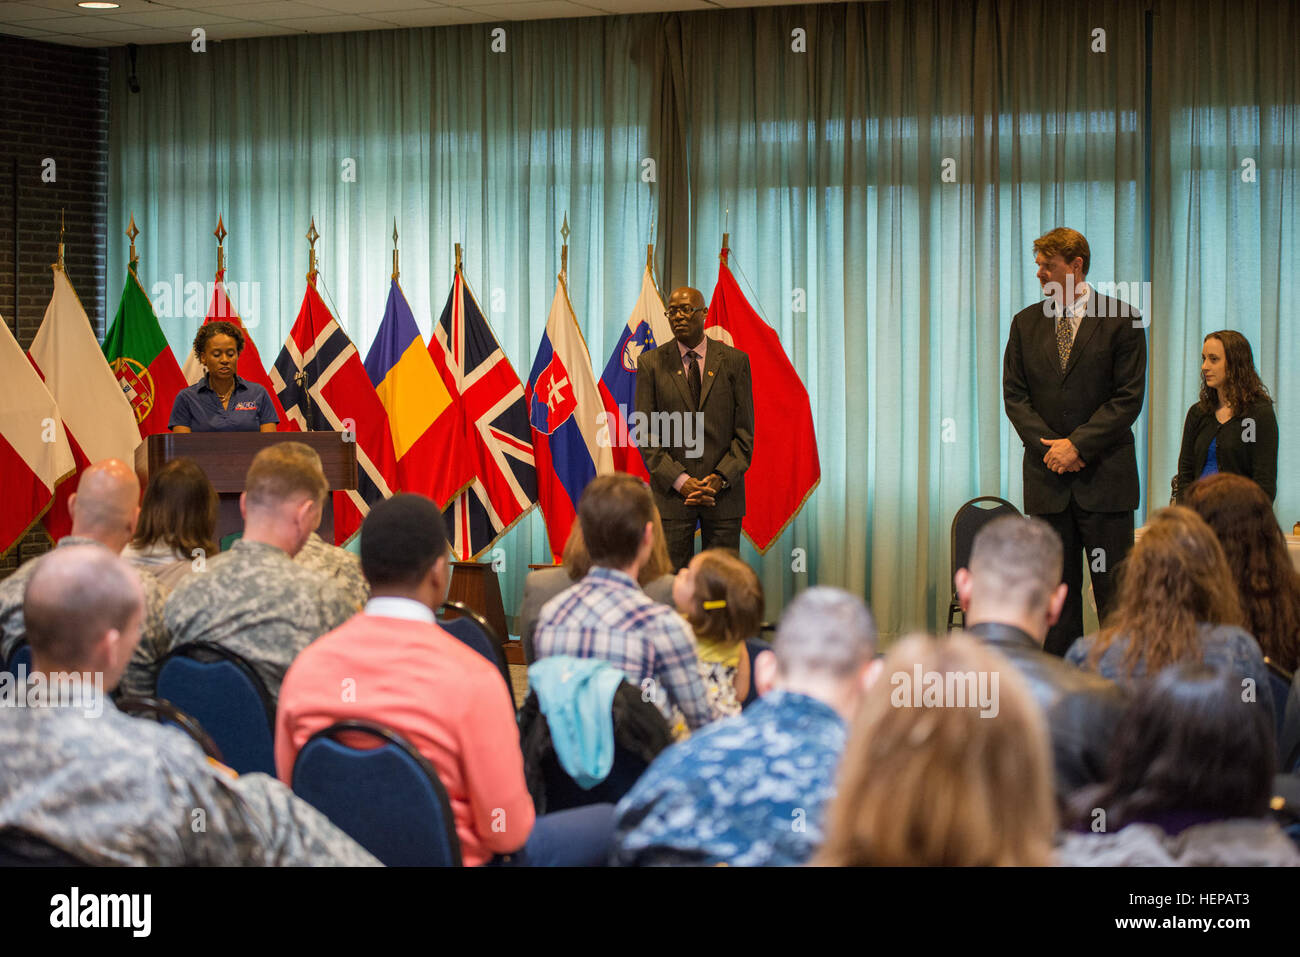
<point>785,468</point>
<point>250,365</point>
<point>142,360</point>
<point>433,455</point>
<point>34,451</point>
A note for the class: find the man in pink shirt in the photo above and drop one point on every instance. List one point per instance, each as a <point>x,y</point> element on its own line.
<point>392,665</point>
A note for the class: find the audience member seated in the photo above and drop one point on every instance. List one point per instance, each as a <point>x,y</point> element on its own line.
<point>178,523</point>
<point>1011,594</point>
<point>397,668</point>
<point>751,790</point>
<point>722,600</point>
<point>338,565</point>
<point>944,767</point>
<point>254,599</point>
<point>543,584</point>
<point>105,508</point>
<point>1241,514</point>
<point>607,615</point>
<point>1177,602</point>
<point>104,788</point>
<point>1191,775</point>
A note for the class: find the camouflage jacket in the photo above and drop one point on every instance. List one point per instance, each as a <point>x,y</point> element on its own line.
<point>115,790</point>
<point>337,564</point>
<point>256,601</point>
<point>143,668</point>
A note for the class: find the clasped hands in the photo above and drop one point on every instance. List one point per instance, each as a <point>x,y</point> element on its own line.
<point>702,491</point>
<point>1062,456</point>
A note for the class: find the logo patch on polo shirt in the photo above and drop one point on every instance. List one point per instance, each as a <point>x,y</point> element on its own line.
<point>245,407</point>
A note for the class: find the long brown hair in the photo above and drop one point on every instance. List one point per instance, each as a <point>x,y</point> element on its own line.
<point>577,562</point>
<point>1175,578</point>
<point>728,600</point>
<point>179,509</point>
<point>1268,584</point>
<point>944,786</point>
<point>1242,386</point>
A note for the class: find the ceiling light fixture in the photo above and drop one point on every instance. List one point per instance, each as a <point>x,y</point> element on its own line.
<point>97,5</point>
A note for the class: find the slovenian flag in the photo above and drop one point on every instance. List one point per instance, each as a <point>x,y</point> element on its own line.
<point>646,328</point>
<point>566,414</point>
<point>34,452</point>
<point>433,456</point>
<point>140,357</point>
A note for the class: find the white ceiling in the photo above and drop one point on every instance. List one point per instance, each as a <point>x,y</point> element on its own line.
<point>171,21</point>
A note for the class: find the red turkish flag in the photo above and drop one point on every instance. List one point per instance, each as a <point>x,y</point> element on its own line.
<point>784,469</point>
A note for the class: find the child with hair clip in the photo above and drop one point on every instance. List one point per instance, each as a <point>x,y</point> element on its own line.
<point>722,600</point>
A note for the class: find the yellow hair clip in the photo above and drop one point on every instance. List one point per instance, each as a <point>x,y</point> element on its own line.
<point>713,605</point>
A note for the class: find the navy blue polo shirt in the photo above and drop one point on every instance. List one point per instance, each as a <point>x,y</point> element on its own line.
<point>198,408</point>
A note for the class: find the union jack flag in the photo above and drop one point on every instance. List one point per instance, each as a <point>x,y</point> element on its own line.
<point>322,385</point>
<point>491,398</point>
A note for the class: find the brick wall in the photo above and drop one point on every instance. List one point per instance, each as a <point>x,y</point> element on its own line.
<point>53,104</point>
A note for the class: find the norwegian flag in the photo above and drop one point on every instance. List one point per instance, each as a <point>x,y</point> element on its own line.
<point>323,386</point>
<point>491,398</point>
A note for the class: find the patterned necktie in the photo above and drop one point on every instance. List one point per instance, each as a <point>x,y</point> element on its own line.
<point>1064,339</point>
<point>693,377</point>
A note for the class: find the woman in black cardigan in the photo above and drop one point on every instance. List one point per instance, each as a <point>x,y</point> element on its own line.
<point>1231,428</point>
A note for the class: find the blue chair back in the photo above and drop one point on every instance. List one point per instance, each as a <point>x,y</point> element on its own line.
<point>389,799</point>
<point>1280,682</point>
<point>473,629</point>
<point>22,655</point>
<point>228,700</point>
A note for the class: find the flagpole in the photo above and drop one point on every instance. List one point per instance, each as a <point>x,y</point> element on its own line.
<point>312,236</point>
<point>458,258</point>
<point>300,377</point>
<point>220,233</point>
<point>726,248</point>
<point>131,233</point>
<point>62,225</point>
<point>395,270</point>
<point>564,251</point>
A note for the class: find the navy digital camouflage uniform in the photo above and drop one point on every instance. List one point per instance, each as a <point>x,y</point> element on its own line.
<point>337,564</point>
<point>256,601</point>
<point>747,791</point>
<point>116,790</point>
<point>140,674</point>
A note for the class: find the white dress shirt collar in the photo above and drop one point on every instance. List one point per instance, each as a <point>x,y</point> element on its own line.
<point>390,606</point>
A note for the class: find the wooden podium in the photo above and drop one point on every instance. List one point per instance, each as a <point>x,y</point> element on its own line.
<point>224,458</point>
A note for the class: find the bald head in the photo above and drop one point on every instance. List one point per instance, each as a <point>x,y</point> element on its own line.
<point>686,315</point>
<point>82,608</point>
<point>106,505</point>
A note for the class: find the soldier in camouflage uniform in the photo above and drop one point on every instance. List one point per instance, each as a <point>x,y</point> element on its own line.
<point>254,599</point>
<point>104,510</point>
<point>105,788</point>
<point>337,564</point>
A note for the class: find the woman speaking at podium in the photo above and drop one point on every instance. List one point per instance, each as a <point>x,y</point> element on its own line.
<point>221,401</point>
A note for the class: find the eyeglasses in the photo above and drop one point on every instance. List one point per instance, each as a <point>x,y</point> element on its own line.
<point>682,311</point>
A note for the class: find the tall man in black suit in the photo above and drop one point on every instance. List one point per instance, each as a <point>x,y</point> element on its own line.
<point>696,395</point>
<point>1073,379</point>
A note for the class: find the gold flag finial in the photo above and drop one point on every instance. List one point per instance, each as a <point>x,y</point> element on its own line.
<point>62,226</point>
<point>394,248</point>
<point>312,236</point>
<point>458,257</point>
<point>564,249</point>
<point>220,233</point>
<point>131,233</point>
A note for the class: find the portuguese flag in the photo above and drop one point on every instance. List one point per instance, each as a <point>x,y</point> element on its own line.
<point>141,359</point>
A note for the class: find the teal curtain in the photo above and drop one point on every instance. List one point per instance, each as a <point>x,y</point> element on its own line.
<point>1226,212</point>
<point>882,169</point>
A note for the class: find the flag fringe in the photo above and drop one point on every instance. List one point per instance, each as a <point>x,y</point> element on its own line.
<point>793,516</point>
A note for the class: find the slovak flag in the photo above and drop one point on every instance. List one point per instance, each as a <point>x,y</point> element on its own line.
<point>566,415</point>
<point>646,328</point>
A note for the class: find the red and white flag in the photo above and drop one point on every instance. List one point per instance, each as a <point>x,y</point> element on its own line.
<point>97,415</point>
<point>784,469</point>
<point>34,451</point>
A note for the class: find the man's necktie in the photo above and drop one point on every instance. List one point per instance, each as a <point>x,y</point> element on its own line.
<point>1064,338</point>
<point>693,377</point>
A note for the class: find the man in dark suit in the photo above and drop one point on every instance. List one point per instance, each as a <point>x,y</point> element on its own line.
<point>696,396</point>
<point>1073,379</point>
